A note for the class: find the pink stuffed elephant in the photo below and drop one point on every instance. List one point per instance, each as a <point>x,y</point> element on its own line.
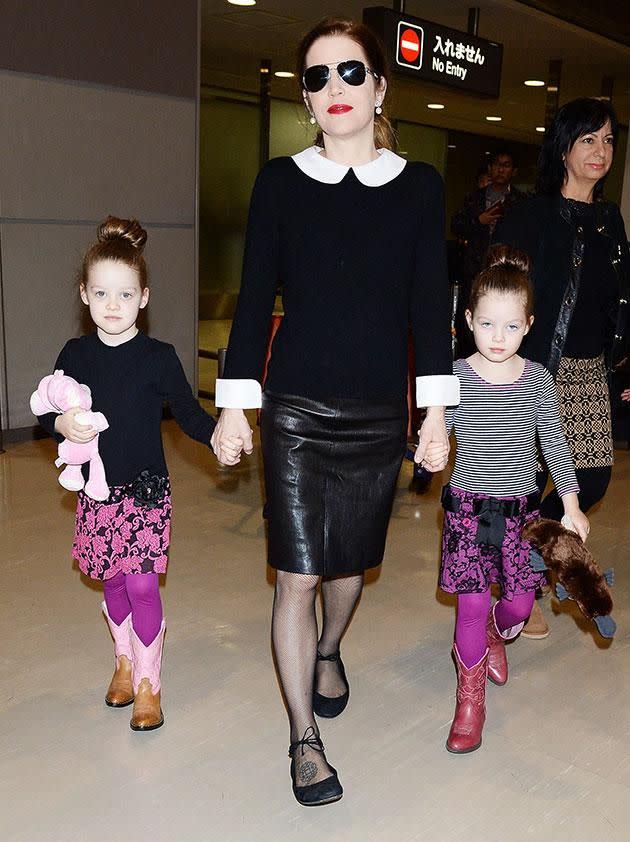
<point>58,393</point>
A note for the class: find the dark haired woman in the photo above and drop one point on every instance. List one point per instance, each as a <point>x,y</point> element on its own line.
<point>355,236</point>
<point>581,274</point>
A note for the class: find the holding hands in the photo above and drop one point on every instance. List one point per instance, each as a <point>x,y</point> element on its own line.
<point>433,445</point>
<point>231,437</point>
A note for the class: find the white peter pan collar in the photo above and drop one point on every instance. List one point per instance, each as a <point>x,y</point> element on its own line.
<point>373,174</point>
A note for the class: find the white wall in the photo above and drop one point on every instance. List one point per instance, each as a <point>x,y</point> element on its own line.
<point>77,152</point>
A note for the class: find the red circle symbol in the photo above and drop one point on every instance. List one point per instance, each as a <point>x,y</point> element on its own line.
<point>409,45</point>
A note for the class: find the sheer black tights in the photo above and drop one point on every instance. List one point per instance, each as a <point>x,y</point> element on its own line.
<point>294,636</point>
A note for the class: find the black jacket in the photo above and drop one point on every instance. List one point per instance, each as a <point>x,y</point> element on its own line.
<point>543,227</point>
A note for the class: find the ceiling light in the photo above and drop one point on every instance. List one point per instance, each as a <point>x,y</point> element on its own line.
<point>435,106</point>
<point>494,119</point>
<point>540,128</point>
<point>553,89</point>
<point>284,74</point>
<point>534,83</point>
<point>452,146</point>
<point>242,2</point>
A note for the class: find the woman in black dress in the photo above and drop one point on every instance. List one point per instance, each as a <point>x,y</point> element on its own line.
<point>354,235</point>
<point>581,273</point>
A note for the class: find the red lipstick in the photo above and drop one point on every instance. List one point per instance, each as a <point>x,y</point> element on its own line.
<point>339,108</point>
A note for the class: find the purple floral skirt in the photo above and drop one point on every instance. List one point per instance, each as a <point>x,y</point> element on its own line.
<point>120,535</point>
<point>471,567</point>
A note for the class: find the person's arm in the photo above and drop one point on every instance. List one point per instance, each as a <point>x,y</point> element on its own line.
<point>436,386</point>
<point>186,409</point>
<point>466,221</point>
<point>239,388</point>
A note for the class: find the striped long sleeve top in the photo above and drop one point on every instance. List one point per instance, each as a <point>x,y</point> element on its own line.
<point>496,427</point>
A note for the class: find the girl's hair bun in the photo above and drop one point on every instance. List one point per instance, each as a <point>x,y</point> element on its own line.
<point>129,230</point>
<point>507,257</point>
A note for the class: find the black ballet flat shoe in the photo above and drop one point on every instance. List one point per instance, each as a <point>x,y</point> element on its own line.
<point>326,706</point>
<point>323,792</point>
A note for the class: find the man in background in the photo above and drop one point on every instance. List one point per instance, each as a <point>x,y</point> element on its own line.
<point>474,226</point>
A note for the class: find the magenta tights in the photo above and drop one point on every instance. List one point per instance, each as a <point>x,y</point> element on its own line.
<point>140,594</point>
<point>472,616</point>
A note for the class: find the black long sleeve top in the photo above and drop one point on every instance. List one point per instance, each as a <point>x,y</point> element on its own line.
<point>129,385</point>
<point>358,265</point>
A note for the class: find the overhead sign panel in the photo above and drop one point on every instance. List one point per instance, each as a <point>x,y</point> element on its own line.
<point>434,53</point>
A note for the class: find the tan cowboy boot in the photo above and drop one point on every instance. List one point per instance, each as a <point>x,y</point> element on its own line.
<point>120,691</point>
<point>147,712</point>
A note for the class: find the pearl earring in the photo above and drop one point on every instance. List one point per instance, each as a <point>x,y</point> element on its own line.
<point>378,109</point>
<point>312,120</point>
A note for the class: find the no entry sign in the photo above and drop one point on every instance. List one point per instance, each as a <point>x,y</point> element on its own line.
<point>410,40</point>
<point>434,53</point>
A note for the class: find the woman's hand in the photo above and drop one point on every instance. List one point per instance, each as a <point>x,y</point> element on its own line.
<point>433,444</point>
<point>625,395</point>
<point>68,427</point>
<point>231,436</point>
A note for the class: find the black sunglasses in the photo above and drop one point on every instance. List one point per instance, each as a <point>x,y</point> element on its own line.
<point>352,72</point>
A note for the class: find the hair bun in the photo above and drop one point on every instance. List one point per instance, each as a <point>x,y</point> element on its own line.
<point>124,229</point>
<point>507,256</point>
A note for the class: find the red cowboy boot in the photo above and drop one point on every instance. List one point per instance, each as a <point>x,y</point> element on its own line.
<point>495,641</point>
<point>470,705</point>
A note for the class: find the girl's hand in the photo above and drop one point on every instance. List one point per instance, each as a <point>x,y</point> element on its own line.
<point>231,436</point>
<point>68,427</point>
<point>580,524</point>
<point>625,395</point>
<point>576,515</point>
<point>433,434</point>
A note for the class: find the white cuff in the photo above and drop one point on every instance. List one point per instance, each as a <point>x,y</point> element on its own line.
<point>437,390</point>
<point>238,394</point>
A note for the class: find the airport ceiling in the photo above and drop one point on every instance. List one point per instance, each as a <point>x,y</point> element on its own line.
<point>235,39</point>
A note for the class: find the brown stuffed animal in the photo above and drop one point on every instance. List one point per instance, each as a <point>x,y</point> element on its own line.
<point>578,575</point>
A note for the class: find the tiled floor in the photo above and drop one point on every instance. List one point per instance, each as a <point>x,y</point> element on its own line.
<point>554,765</point>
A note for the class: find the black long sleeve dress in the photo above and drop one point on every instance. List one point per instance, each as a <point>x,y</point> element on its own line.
<point>359,254</point>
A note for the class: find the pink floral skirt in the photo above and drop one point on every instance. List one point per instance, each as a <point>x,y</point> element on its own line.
<point>120,535</point>
<point>469,566</point>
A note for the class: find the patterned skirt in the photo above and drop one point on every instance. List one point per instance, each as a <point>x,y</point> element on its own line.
<point>121,535</point>
<point>470,566</point>
<point>585,411</point>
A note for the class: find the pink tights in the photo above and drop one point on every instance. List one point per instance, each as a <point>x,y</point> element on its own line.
<point>140,594</point>
<point>472,616</point>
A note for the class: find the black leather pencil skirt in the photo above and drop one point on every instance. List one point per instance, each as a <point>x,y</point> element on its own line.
<point>330,476</point>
